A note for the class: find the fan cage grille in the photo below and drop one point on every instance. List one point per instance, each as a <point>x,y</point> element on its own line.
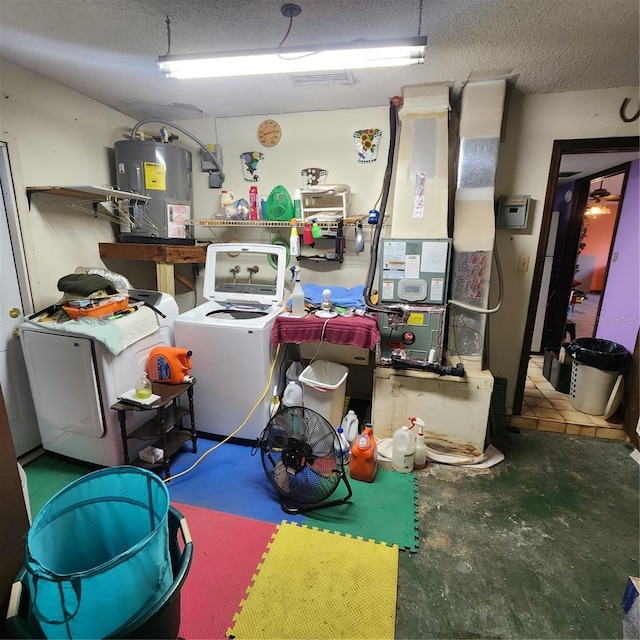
<point>300,455</point>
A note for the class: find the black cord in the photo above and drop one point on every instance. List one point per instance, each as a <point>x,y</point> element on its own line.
<point>168,23</point>
<point>286,35</point>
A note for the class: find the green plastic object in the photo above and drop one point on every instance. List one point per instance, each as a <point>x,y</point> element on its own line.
<point>279,204</point>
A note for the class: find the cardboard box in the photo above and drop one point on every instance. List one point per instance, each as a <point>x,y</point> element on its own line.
<point>559,375</point>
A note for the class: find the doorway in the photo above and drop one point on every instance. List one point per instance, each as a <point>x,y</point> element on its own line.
<point>608,151</point>
<point>15,303</point>
<point>599,227</point>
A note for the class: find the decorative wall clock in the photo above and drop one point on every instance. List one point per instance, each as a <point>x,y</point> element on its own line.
<point>269,133</point>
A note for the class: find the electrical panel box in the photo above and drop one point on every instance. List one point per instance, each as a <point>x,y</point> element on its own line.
<point>415,271</point>
<point>512,212</point>
<point>207,163</point>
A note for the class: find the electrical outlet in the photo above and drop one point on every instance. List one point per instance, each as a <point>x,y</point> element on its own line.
<point>523,263</point>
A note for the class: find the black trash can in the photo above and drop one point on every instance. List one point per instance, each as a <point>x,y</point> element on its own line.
<point>597,366</point>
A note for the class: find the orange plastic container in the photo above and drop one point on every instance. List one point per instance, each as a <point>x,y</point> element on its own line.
<point>99,309</point>
<point>364,456</point>
<point>170,365</point>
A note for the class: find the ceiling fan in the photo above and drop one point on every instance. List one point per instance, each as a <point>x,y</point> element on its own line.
<point>599,194</point>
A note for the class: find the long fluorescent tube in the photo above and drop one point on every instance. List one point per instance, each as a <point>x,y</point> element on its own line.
<point>361,54</point>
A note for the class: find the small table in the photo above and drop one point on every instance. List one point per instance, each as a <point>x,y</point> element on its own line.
<point>159,429</point>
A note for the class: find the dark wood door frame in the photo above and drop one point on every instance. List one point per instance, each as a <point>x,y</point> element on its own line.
<point>560,147</point>
<point>553,333</point>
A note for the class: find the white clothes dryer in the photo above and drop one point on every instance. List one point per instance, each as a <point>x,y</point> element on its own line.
<point>230,338</point>
<point>75,378</point>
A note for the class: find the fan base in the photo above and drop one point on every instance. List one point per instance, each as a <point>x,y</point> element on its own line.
<point>293,509</point>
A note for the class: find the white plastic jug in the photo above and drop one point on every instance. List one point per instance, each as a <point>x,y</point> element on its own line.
<point>350,426</point>
<point>292,396</point>
<point>294,371</point>
<point>403,450</point>
<point>226,197</point>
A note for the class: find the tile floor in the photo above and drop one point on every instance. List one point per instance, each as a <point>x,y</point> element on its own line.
<point>546,409</point>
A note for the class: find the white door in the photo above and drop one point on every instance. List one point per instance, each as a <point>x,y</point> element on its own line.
<point>13,373</point>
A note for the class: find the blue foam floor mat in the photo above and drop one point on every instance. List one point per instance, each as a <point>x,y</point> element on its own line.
<point>228,479</point>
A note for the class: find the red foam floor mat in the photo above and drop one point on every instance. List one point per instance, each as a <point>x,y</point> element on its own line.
<point>226,552</point>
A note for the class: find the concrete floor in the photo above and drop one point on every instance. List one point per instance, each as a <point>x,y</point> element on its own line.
<point>539,546</point>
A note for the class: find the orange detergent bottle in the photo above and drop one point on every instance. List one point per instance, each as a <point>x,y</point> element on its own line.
<point>170,365</point>
<point>364,456</point>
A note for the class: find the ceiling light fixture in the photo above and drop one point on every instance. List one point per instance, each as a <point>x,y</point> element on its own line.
<point>359,54</point>
<point>597,209</point>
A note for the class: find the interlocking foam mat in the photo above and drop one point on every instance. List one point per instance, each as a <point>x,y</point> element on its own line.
<point>384,510</point>
<point>226,552</point>
<point>319,584</point>
<point>230,479</point>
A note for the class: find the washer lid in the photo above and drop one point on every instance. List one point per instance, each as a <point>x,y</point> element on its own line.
<point>238,273</point>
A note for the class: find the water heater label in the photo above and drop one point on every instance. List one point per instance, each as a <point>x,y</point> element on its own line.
<point>155,176</point>
<point>178,216</point>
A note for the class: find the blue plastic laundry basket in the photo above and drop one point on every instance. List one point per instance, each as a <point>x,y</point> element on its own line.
<point>97,554</point>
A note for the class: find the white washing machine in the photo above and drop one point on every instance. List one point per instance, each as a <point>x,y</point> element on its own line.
<point>74,380</point>
<point>230,337</point>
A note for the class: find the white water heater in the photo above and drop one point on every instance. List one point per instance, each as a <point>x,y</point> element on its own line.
<point>164,172</point>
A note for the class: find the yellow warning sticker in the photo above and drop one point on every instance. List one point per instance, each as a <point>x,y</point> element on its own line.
<point>416,318</point>
<point>155,176</point>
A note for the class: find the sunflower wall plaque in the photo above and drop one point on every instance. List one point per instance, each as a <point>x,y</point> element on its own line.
<point>367,142</point>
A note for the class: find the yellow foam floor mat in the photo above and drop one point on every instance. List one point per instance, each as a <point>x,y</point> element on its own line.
<point>320,584</point>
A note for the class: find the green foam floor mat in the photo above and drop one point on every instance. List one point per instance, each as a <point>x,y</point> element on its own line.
<point>384,510</point>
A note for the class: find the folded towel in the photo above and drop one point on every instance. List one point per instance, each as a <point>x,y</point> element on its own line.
<point>340,296</point>
<point>116,335</point>
<point>357,331</point>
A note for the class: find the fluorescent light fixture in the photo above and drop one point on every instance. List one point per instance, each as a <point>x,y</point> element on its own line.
<point>360,54</point>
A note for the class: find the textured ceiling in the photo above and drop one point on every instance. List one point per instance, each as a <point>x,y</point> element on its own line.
<point>106,49</point>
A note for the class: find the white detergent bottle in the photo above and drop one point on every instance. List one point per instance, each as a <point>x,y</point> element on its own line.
<point>350,426</point>
<point>292,396</point>
<point>342,450</point>
<point>297,296</point>
<point>403,450</point>
<point>420,455</point>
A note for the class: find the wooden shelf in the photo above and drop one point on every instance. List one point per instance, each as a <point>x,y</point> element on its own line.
<point>165,253</point>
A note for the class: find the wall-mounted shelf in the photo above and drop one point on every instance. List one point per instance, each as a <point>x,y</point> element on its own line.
<point>324,201</point>
<point>324,224</point>
<point>118,206</point>
<point>87,193</point>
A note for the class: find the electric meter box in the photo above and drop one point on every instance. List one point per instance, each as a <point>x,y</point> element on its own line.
<point>512,212</point>
<point>164,172</point>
